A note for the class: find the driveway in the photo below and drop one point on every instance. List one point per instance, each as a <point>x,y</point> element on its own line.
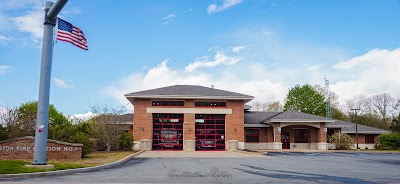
<point>285,167</point>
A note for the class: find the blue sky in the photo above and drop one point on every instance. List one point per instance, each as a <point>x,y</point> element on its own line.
<point>256,47</point>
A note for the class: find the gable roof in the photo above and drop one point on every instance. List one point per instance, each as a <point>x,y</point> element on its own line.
<point>295,116</point>
<point>188,92</point>
<point>258,117</point>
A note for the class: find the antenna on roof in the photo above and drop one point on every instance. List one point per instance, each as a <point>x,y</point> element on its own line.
<point>212,86</point>
<point>327,98</point>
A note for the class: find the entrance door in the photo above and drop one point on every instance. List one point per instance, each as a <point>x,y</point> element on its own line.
<point>285,138</point>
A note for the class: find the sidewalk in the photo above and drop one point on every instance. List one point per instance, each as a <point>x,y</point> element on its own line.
<point>200,154</point>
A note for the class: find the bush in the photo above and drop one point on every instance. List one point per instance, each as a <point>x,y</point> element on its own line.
<point>389,141</point>
<point>341,141</point>
<point>125,141</point>
<point>81,138</point>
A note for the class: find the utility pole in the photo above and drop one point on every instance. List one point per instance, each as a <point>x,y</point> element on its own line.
<point>355,119</point>
<point>50,20</point>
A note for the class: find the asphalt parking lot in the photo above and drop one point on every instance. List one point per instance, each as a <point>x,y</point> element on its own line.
<point>277,167</point>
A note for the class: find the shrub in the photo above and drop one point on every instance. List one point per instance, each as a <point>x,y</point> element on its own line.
<point>125,141</point>
<point>389,141</point>
<point>81,138</point>
<point>341,141</point>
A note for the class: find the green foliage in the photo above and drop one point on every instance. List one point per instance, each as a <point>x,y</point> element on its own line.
<point>82,138</point>
<point>125,141</point>
<point>390,140</point>
<point>305,99</point>
<point>368,119</point>
<point>22,120</point>
<point>338,114</point>
<point>3,133</point>
<point>73,133</point>
<point>395,126</point>
<point>341,141</point>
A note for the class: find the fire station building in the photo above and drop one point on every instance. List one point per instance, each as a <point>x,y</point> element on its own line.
<point>197,118</point>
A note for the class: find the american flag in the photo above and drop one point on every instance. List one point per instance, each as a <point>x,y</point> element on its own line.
<point>69,33</point>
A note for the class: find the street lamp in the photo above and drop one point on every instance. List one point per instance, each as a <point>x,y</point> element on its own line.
<point>355,112</point>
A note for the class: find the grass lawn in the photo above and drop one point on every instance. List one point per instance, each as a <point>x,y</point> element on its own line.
<point>93,159</point>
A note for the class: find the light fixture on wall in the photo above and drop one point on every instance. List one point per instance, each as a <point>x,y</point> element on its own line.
<point>235,129</point>
<point>189,129</point>
<point>142,129</point>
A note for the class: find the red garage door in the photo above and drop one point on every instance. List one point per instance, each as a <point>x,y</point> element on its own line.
<point>167,131</point>
<point>210,132</point>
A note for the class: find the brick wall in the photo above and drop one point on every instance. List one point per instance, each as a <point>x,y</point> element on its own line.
<point>143,120</point>
<point>22,149</point>
<point>361,138</point>
<point>263,134</point>
<point>270,134</point>
<point>234,123</point>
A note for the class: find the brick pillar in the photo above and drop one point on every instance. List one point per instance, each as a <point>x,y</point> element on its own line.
<point>189,130</point>
<point>277,144</point>
<point>322,145</point>
<point>322,133</point>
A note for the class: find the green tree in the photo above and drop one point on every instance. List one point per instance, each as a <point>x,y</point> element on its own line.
<point>305,99</point>
<point>395,125</point>
<point>125,141</point>
<point>389,140</point>
<point>21,121</point>
<point>338,114</point>
<point>3,133</point>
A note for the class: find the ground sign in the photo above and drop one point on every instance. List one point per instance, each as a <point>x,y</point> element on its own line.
<point>22,149</point>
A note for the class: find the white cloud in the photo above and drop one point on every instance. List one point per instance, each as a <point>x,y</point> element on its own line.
<point>31,23</point>
<point>4,40</point>
<point>372,73</point>
<point>213,8</point>
<point>85,116</point>
<point>4,69</point>
<point>373,57</point>
<point>313,68</point>
<point>219,58</point>
<point>169,18</point>
<point>237,48</point>
<point>251,80</point>
<point>62,84</point>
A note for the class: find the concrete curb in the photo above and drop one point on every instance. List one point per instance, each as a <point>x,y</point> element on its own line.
<point>71,171</point>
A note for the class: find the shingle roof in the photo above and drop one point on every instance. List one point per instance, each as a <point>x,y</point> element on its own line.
<point>257,117</point>
<point>188,92</point>
<point>291,115</point>
<point>361,128</point>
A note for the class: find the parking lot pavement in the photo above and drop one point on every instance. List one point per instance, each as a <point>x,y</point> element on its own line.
<point>286,167</point>
<point>200,154</point>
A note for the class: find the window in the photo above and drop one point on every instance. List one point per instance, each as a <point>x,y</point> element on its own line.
<point>168,103</point>
<point>210,104</point>
<point>369,139</point>
<point>252,135</point>
<point>300,135</point>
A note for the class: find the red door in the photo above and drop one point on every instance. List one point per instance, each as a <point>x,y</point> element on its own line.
<point>285,138</point>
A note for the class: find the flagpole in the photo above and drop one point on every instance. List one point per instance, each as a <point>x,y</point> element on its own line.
<point>42,117</point>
